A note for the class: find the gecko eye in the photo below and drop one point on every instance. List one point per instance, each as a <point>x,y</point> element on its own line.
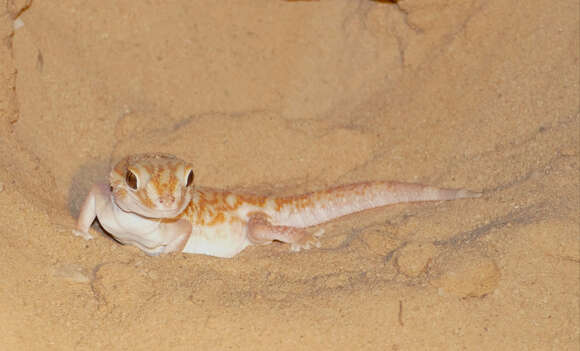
<point>189,178</point>
<point>131,180</point>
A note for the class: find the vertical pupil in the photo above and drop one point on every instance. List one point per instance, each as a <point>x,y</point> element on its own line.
<point>131,180</point>
<point>189,179</point>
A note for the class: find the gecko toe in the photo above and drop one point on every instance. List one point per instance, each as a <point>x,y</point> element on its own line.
<point>84,235</point>
<point>318,233</point>
<point>295,248</point>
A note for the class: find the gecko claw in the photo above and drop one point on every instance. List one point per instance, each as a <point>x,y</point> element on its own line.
<point>318,233</point>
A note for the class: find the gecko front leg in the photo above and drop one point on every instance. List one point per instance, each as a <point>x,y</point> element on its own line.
<point>98,194</point>
<point>176,234</point>
<point>261,232</point>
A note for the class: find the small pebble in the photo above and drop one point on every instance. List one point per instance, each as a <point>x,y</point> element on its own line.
<point>17,24</point>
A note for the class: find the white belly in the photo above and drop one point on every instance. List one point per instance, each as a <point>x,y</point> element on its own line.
<point>221,240</point>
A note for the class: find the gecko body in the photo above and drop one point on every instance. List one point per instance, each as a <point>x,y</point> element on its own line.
<point>153,204</point>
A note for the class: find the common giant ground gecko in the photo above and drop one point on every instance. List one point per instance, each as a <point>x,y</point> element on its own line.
<point>153,204</point>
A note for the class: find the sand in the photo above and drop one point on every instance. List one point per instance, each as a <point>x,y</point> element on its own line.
<point>281,97</point>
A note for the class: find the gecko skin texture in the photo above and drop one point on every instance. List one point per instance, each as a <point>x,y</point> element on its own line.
<point>151,202</point>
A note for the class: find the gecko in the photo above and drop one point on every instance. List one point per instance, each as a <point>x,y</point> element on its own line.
<point>151,202</point>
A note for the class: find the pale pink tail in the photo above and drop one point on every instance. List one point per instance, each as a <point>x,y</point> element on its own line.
<point>322,206</point>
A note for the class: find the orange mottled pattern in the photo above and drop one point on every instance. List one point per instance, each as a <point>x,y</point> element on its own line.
<point>321,198</point>
<point>145,199</point>
<point>212,207</point>
<point>163,177</point>
<point>159,167</point>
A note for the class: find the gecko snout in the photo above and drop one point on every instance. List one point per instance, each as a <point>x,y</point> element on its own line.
<point>166,199</point>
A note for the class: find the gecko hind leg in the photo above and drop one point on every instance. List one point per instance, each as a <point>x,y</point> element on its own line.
<point>261,231</point>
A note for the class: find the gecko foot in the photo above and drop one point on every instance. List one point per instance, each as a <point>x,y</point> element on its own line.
<point>308,241</point>
<point>84,235</point>
<point>261,231</point>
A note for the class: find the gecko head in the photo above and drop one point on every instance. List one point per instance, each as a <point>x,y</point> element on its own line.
<point>153,185</point>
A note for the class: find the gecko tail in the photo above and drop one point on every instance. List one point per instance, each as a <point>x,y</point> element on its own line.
<point>322,206</point>
<point>452,194</point>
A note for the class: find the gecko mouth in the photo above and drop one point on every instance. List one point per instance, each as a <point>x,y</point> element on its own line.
<point>135,206</point>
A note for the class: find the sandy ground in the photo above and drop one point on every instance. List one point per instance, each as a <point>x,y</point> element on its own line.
<point>285,97</point>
